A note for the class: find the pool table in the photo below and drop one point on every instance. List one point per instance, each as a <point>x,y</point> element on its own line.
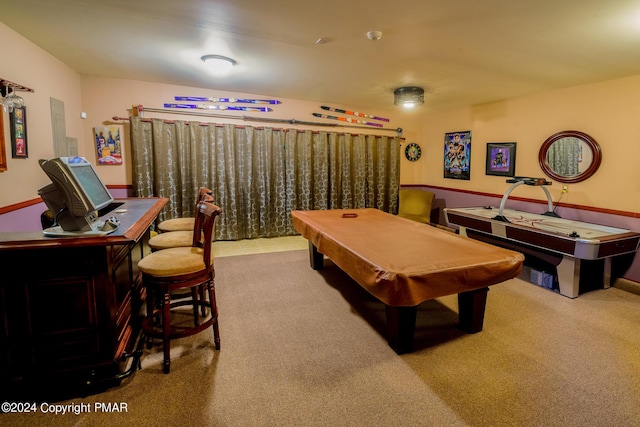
<point>404,263</point>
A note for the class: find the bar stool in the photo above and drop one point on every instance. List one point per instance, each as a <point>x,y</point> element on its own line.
<point>186,223</point>
<point>178,238</point>
<point>181,268</point>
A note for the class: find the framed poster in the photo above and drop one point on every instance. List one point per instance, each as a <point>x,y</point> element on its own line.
<point>18,119</point>
<point>108,145</point>
<point>501,158</point>
<point>457,155</point>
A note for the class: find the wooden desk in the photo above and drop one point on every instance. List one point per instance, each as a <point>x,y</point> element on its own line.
<point>69,307</point>
<point>567,244</point>
<point>404,263</point>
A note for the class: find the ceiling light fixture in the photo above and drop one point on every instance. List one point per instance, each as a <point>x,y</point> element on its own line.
<point>218,63</point>
<point>408,96</point>
<point>374,35</point>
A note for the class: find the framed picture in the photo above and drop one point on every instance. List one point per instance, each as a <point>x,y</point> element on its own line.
<point>501,158</point>
<point>457,155</point>
<point>3,149</point>
<point>18,119</point>
<point>108,145</point>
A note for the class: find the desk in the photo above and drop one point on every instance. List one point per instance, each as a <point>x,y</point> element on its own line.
<point>70,312</point>
<point>562,242</point>
<point>404,263</point>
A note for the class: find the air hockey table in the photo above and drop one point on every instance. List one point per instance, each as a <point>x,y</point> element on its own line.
<point>563,242</point>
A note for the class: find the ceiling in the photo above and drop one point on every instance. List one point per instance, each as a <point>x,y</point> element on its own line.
<point>462,52</point>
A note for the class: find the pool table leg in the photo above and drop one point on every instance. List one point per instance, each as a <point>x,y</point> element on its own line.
<point>471,305</point>
<point>316,259</point>
<point>401,327</point>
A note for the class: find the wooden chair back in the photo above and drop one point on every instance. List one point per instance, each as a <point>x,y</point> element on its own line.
<point>204,225</point>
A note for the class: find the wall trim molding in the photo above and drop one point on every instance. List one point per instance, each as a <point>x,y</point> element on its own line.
<point>31,202</point>
<point>627,285</point>
<point>27,203</point>
<point>524,199</point>
<point>17,206</point>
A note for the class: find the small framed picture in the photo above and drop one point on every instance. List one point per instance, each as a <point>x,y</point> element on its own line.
<point>501,158</point>
<point>18,119</point>
<point>108,145</point>
<point>3,153</point>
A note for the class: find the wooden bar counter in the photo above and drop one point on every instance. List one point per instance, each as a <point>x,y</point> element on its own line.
<point>70,306</point>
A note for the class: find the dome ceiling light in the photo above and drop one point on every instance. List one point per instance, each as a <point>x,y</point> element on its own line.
<point>218,63</point>
<point>374,35</point>
<point>408,96</point>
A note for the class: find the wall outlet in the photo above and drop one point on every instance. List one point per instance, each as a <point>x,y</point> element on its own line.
<point>565,189</point>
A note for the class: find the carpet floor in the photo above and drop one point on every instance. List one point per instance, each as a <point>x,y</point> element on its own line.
<point>307,348</point>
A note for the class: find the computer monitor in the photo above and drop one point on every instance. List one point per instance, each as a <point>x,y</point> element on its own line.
<point>76,192</point>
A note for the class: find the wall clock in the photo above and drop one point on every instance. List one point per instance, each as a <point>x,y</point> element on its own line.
<point>412,152</point>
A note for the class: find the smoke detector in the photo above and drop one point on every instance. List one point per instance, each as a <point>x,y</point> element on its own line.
<point>374,35</point>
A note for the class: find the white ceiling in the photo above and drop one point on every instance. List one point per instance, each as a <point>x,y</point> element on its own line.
<point>463,52</point>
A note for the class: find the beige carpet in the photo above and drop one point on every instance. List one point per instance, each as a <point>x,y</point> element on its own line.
<point>304,348</point>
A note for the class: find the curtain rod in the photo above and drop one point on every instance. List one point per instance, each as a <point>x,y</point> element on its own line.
<point>137,110</point>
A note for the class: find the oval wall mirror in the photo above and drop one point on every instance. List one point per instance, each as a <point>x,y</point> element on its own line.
<point>570,156</point>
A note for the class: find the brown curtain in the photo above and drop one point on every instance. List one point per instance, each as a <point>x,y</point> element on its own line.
<point>259,175</point>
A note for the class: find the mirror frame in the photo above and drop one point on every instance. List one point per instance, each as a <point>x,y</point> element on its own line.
<point>593,145</point>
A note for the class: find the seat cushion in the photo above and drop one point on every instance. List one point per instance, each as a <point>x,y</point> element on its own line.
<point>415,205</point>
<point>173,262</point>
<point>171,239</point>
<point>177,224</point>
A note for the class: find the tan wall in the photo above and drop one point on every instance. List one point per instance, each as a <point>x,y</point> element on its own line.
<point>607,111</point>
<point>104,98</point>
<point>24,63</point>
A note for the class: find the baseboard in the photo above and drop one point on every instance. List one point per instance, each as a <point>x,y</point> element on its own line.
<point>627,285</point>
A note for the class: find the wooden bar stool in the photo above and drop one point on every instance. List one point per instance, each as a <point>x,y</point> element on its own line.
<point>182,268</point>
<point>178,238</point>
<point>186,223</point>
<point>181,238</point>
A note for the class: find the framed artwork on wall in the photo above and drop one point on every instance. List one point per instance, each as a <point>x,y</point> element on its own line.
<point>457,155</point>
<point>108,145</point>
<point>3,152</point>
<point>18,119</point>
<point>501,158</point>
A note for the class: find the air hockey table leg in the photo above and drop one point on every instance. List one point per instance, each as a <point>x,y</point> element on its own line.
<point>607,273</point>
<point>569,276</point>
